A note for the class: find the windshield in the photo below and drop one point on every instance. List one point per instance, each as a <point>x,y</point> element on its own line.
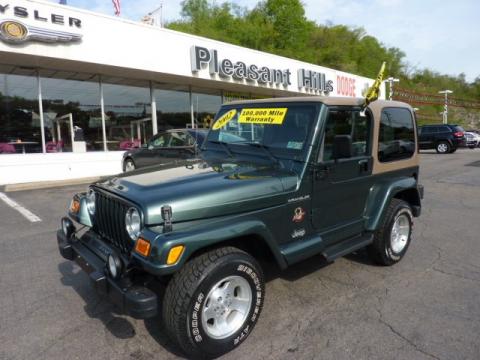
<point>280,130</point>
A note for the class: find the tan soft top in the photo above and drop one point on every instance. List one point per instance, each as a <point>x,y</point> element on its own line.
<point>327,100</point>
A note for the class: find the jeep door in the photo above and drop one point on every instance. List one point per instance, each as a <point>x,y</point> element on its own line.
<point>341,184</point>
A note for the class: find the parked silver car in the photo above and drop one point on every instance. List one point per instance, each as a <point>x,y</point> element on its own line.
<point>472,139</point>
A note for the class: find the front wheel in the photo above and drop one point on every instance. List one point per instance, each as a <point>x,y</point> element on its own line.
<point>212,304</point>
<point>391,241</point>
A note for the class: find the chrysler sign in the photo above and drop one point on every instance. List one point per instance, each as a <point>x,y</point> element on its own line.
<point>18,28</point>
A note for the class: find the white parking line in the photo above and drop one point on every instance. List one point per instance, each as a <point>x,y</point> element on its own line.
<point>25,212</point>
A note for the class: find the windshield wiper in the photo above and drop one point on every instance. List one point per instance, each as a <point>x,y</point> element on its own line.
<point>265,149</point>
<point>224,145</point>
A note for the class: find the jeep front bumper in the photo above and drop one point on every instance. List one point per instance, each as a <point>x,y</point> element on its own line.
<point>137,301</point>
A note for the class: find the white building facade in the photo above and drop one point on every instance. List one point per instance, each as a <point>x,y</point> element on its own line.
<point>114,80</point>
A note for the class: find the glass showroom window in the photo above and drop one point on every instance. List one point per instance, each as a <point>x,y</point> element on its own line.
<point>127,115</point>
<point>205,106</point>
<point>81,99</point>
<point>173,107</point>
<point>19,117</point>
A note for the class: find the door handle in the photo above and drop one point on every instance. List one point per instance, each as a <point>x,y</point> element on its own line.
<point>363,165</point>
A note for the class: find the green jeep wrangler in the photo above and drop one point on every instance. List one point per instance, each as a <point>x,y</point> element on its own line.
<point>276,179</point>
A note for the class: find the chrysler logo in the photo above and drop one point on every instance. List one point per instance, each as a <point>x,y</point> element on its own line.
<point>16,32</point>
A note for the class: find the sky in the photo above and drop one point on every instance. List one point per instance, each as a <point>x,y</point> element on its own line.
<point>443,36</point>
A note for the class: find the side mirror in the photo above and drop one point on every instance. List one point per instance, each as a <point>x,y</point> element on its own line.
<point>342,147</point>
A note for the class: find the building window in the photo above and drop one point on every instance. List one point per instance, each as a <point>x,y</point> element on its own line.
<point>127,114</point>
<point>205,106</point>
<point>81,99</point>
<point>173,107</point>
<point>19,116</point>
<point>397,135</point>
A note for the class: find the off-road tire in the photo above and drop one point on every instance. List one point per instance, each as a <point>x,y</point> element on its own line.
<point>185,299</point>
<point>128,161</point>
<point>380,250</point>
<point>443,147</point>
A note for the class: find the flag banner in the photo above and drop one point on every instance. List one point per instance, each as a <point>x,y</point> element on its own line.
<point>420,98</point>
<point>116,5</point>
<point>374,91</point>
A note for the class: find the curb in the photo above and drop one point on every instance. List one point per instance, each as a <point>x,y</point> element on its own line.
<point>48,184</point>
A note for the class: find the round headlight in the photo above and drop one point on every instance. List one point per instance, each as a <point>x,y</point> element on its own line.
<point>114,265</point>
<point>133,223</point>
<point>91,202</point>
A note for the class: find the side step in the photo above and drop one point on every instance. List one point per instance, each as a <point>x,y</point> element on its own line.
<point>347,246</point>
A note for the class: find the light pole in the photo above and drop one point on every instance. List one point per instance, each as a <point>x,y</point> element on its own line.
<point>157,15</point>
<point>391,80</point>
<point>445,107</point>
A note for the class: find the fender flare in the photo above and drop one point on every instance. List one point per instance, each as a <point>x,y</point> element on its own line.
<point>380,197</point>
<point>200,238</point>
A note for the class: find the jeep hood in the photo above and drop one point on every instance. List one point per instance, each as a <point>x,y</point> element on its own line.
<point>200,191</point>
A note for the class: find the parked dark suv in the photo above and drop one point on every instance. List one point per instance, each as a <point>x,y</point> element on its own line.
<point>443,138</point>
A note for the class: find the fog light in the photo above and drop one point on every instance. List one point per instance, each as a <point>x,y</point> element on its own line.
<point>114,265</point>
<point>67,227</point>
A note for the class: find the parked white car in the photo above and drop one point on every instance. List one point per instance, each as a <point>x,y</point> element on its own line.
<point>472,139</point>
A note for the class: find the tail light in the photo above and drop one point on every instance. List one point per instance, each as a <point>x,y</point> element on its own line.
<point>458,134</point>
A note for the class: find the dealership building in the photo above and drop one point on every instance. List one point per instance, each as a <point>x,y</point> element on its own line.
<point>76,85</point>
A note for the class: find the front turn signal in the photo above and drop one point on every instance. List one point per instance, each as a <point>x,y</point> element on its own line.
<point>142,247</point>
<point>174,254</point>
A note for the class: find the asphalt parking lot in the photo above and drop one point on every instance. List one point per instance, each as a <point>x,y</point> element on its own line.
<point>425,307</point>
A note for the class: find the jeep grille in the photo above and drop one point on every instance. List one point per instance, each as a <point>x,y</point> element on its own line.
<point>109,221</point>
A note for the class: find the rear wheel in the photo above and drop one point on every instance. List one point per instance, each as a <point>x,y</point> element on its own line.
<point>443,147</point>
<point>391,241</point>
<point>212,304</point>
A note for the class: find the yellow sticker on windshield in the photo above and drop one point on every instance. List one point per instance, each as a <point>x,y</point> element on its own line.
<point>274,116</point>
<point>224,119</point>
